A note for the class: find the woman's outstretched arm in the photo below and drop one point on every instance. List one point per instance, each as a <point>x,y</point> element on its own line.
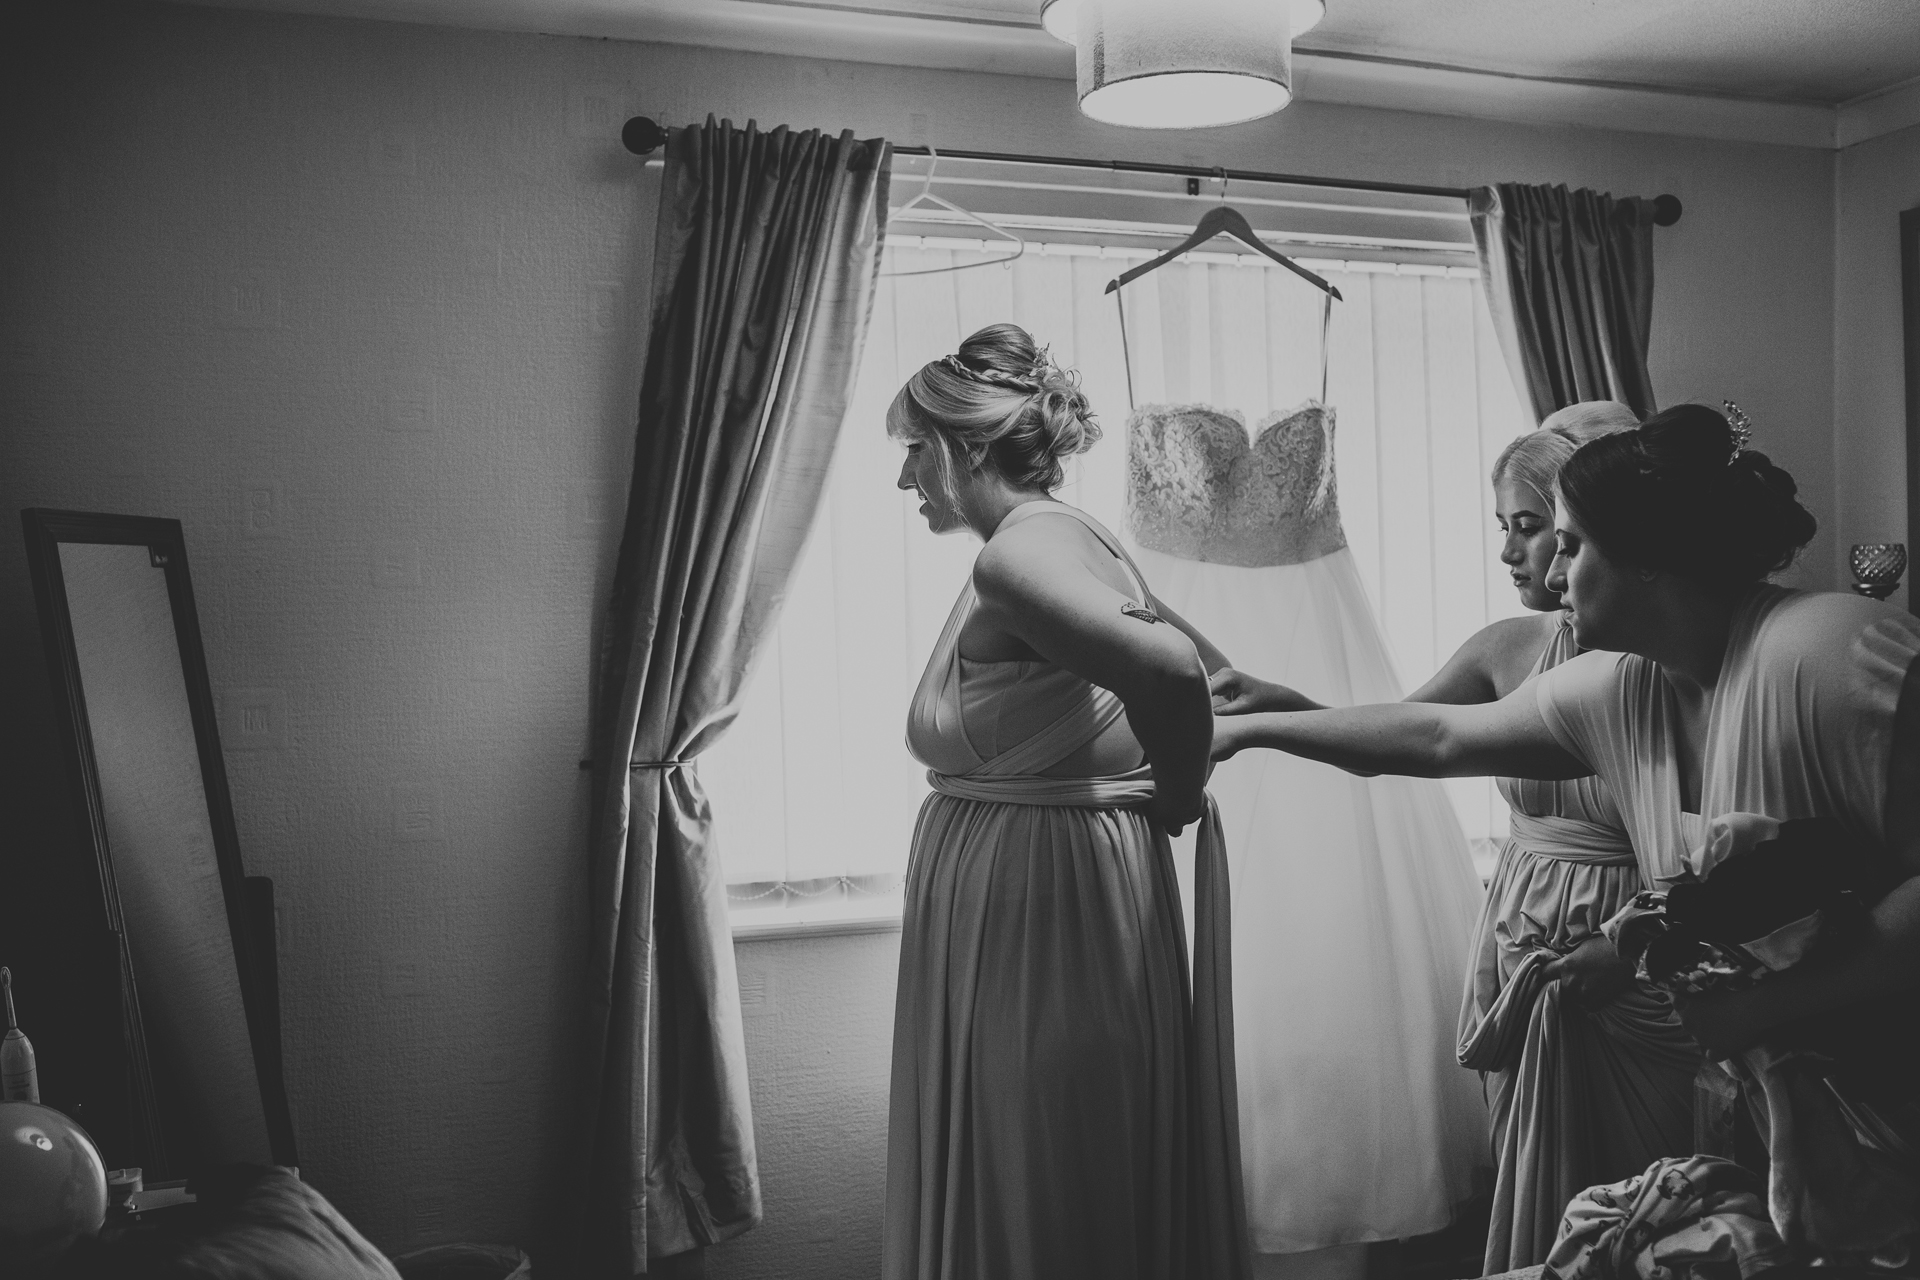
<point>1472,674</point>
<point>1423,740</point>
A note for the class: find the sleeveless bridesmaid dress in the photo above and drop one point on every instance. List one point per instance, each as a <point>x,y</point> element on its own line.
<point>1061,1107</point>
<point>1578,1098</point>
<point>1800,724</point>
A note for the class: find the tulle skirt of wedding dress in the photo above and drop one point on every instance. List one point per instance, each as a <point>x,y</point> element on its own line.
<point>1354,905</point>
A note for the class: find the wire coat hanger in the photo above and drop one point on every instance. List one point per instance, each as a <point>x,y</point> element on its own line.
<point>1223,220</point>
<point>926,196</point>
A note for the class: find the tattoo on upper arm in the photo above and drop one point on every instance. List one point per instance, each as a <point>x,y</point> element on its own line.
<point>1135,609</point>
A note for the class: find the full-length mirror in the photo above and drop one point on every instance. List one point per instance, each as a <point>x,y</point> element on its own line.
<point>200,1019</point>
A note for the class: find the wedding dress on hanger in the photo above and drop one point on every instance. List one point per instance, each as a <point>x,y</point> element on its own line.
<point>1354,899</point>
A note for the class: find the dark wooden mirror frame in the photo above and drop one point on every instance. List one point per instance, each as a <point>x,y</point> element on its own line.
<point>249,899</point>
<point>1910,299</point>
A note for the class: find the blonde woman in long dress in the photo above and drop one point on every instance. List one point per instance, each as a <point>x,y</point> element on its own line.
<point>1713,692</point>
<point>1061,1107</point>
<point>1589,1074</point>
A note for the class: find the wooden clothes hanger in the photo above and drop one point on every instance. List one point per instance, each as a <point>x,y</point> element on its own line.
<point>926,196</point>
<point>1224,220</point>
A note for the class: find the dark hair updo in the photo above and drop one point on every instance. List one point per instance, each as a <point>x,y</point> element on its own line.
<point>1677,494</point>
<point>1000,402</point>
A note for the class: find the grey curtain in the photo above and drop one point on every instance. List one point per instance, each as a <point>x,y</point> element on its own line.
<point>1569,278</point>
<point>764,266</point>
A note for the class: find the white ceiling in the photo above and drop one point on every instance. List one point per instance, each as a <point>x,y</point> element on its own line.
<point>1808,72</point>
<point>1821,51</point>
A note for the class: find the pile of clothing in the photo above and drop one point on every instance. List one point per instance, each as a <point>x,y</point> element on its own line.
<point>1834,1098</point>
<point>1761,897</point>
<point>1690,1217</point>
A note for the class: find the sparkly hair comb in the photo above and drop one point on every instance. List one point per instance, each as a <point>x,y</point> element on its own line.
<point>1742,427</point>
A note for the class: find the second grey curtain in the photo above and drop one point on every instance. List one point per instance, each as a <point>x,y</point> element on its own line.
<point>765,261</point>
<point>1569,278</point>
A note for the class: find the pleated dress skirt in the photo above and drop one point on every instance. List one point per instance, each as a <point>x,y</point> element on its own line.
<point>1038,1127</point>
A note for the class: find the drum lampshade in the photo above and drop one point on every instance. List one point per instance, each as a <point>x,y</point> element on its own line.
<point>1150,64</point>
<point>1060,18</point>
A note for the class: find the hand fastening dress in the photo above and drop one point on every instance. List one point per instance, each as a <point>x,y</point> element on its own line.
<point>1353,898</point>
<point>1061,1108</point>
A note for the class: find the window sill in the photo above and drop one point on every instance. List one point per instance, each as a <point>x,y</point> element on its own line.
<point>832,919</point>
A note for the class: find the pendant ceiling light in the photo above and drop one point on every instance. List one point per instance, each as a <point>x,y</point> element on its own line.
<point>1162,64</point>
<point>1061,18</point>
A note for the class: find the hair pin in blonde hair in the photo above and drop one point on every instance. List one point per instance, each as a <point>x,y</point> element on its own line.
<point>1042,363</point>
<point>1742,429</point>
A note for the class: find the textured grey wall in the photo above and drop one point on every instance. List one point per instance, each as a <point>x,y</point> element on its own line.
<point>358,303</point>
<point>355,302</point>
<point>1877,180</point>
<point>819,1016</point>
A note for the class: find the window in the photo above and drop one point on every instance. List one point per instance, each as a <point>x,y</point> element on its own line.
<point>813,790</point>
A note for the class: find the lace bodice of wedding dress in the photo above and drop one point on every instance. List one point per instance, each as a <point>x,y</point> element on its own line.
<point>1199,488</point>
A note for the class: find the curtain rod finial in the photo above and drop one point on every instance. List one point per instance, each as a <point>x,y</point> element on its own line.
<point>1666,210</point>
<point>642,135</point>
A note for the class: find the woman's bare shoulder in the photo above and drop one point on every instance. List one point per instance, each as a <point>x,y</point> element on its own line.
<point>1018,560</point>
<point>1507,649</point>
<point>1817,626</point>
<point>1529,631</point>
<point>1509,637</point>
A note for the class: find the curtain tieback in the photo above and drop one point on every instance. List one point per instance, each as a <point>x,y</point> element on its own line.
<point>586,765</point>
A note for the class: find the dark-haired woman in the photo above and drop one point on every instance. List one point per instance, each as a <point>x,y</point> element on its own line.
<point>1060,1106</point>
<point>1718,693</point>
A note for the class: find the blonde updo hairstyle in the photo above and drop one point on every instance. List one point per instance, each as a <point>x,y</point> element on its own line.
<point>999,403</point>
<point>1535,459</point>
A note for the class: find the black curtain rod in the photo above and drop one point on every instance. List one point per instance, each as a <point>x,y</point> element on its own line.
<point>643,136</point>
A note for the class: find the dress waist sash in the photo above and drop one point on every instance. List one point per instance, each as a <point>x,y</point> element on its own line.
<point>1572,840</point>
<point>1118,791</point>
